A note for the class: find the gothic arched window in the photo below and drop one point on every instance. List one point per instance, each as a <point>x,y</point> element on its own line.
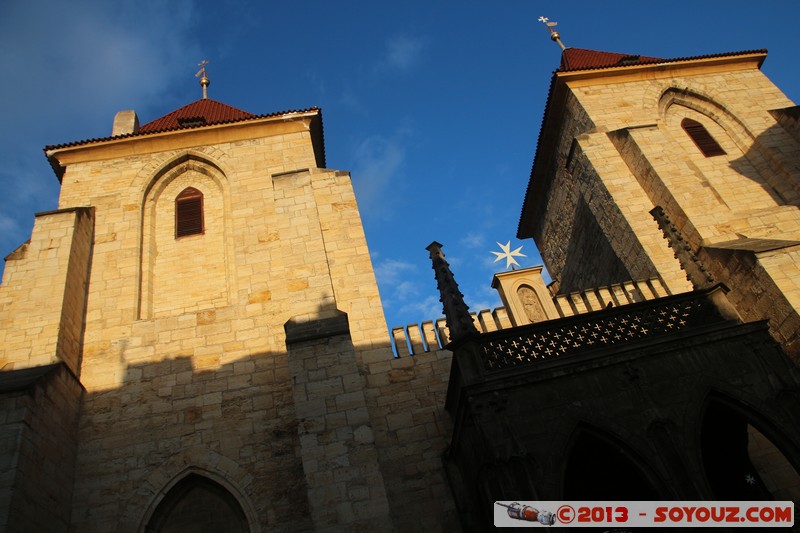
<point>702,139</point>
<point>189,212</point>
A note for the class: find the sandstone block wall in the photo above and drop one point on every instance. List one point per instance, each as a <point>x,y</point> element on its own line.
<point>405,397</point>
<point>346,487</point>
<point>38,445</point>
<point>43,294</point>
<point>234,423</point>
<point>184,354</point>
<point>621,151</point>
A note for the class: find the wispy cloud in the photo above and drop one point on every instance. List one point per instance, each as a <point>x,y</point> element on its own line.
<point>378,163</point>
<point>401,290</point>
<point>389,271</point>
<point>8,224</point>
<point>479,298</point>
<point>73,66</point>
<point>406,289</point>
<point>429,308</point>
<point>473,240</point>
<point>403,52</point>
<point>100,58</point>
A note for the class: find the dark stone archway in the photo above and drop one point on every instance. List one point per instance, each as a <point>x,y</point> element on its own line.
<point>197,503</point>
<point>600,468</point>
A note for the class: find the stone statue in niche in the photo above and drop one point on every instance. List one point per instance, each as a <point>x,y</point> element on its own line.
<point>530,301</point>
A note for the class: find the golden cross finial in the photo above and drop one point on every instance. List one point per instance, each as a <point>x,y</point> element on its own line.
<point>204,81</point>
<point>554,35</point>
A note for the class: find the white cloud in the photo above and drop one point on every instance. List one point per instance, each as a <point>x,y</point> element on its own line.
<point>388,271</point>
<point>378,162</point>
<point>73,66</point>
<point>403,52</point>
<point>429,308</point>
<point>405,290</point>
<point>78,59</point>
<point>473,240</point>
<point>483,297</point>
<point>8,224</point>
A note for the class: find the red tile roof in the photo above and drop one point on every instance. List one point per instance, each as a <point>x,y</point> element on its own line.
<point>203,112</point>
<point>584,59</point>
<point>188,117</point>
<point>199,113</point>
<point>581,58</point>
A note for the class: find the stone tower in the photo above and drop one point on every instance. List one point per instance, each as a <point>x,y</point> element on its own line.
<point>664,202</point>
<point>682,169</point>
<point>201,301</point>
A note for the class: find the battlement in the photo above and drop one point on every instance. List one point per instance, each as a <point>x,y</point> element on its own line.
<point>433,335</point>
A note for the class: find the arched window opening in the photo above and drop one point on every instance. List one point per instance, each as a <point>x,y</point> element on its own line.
<point>189,212</point>
<point>702,139</point>
<point>740,462</point>
<point>197,503</point>
<point>598,470</point>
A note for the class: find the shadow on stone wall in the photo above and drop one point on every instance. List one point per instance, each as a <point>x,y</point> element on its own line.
<point>302,439</point>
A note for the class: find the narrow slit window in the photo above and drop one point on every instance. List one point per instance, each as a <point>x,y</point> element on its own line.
<point>189,212</point>
<point>702,139</point>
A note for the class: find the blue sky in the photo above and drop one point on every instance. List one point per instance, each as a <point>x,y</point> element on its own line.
<point>434,107</point>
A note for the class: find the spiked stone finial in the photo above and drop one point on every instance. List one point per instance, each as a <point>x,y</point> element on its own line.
<point>456,312</point>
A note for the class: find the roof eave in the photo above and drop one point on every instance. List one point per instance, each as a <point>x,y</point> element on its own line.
<point>52,152</point>
<point>548,132</point>
<point>718,59</point>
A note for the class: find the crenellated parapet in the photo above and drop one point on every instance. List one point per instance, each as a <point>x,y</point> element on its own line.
<point>433,335</point>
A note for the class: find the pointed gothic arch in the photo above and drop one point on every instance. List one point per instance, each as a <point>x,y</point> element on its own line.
<point>177,274</point>
<point>745,455</point>
<point>744,151</point>
<point>198,503</point>
<point>601,466</point>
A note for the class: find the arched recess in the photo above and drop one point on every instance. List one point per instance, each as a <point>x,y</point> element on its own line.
<point>198,503</point>
<point>766,183</point>
<point>744,455</point>
<point>152,489</point>
<point>188,273</point>
<point>599,466</point>
<point>529,300</point>
<point>531,303</point>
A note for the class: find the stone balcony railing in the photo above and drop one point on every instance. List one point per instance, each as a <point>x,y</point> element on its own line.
<point>433,335</point>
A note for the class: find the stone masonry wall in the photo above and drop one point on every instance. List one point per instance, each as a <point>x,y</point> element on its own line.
<point>346,489</point>
<point>624,134</point>
<point>586,176</point>
<point>405,397</point>
<point>558,222</point>
<point>234,423</point>
<point>764,286</point>
<point>38,445</point>
<point>179,385</point>
<point>43,295</point>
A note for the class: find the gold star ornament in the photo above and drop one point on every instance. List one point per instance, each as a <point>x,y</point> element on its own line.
<point>508,255</point>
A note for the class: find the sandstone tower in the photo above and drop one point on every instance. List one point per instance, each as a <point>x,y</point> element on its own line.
<point>703,150</point>
<point>184,340</point>
<point>194,339</point>
<point>664,200</point>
